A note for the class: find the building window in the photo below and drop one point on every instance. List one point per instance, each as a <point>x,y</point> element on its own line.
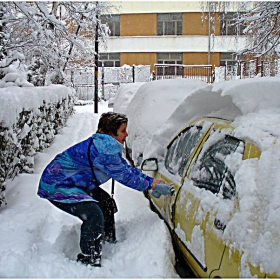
<point>169,58</point>
<point>228,59</point>
<point>114,23</point>
<point>109,59</point>
<point>228,26</point>
<point>169,24</point>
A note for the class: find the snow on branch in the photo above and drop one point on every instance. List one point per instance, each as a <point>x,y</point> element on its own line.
<point>262,27</point>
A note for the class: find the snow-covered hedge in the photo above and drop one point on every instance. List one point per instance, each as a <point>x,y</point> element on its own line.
<point>29,119</point>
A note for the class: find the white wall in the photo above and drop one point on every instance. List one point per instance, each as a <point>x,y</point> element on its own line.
<point>148,6</point>
<point>173,44</point>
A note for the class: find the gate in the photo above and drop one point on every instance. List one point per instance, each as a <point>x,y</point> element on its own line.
<point>172,71</point>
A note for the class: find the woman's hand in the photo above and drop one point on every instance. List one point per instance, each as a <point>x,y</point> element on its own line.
<point>157,182</point>
<point>161,188</point>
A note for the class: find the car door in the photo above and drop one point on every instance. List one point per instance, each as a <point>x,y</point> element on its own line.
<point>179,152</point>
<point>204,203</point>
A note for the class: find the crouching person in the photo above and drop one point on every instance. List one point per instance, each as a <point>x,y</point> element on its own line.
<point>72,180</point>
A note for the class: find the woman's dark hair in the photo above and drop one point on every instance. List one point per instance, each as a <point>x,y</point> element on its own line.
<point>110,122</point>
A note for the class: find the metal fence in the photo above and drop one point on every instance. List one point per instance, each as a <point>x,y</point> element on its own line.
<point>253,68</point>
<point>109,80</point>
<point>248,69</point>
<point>171,71</point>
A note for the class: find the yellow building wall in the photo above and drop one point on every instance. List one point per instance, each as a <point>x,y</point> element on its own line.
<point>201,58</point>
<point>194,25</point>
<point>139,59</point>
<point>151,58</point>
<point>146,24</point>
<point>138,25</point>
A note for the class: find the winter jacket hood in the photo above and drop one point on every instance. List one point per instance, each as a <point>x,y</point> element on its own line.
<point>106,144</point>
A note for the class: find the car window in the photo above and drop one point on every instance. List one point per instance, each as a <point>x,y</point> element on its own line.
<point>211,172</point>
<point>180,149</point>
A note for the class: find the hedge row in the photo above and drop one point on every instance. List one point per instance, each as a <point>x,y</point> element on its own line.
<point>32,133</point>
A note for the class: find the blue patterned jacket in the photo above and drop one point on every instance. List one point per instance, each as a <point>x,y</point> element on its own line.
<point>68,177</point>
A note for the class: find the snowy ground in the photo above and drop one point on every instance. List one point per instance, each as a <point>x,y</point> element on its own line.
<point>39,241</point>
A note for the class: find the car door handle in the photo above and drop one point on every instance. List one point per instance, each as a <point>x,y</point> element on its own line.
<point>172,190</point>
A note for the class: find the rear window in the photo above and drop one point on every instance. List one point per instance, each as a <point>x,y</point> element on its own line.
<point>180,149</point>
<point>211,171</point>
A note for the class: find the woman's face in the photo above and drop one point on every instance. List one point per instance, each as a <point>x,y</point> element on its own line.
<point>121,133</point>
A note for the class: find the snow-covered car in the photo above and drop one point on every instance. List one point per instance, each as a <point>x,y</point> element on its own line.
<point>224,213</point>
<point>111,102</point>
<point>217,212</point>
<point>123,96</point>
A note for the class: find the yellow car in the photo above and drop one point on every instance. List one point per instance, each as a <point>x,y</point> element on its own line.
<point>201,162</point>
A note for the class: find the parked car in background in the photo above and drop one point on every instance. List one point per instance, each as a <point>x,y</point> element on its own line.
<point>123,96</point>
<point>148,105</point>
<point>215,212</point>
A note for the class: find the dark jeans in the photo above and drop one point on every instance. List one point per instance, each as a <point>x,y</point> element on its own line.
<point>97,217</point>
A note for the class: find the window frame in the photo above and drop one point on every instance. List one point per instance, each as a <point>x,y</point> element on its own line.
<point>177,146</point>
<point>170,19</point>
<point>109,60</point>
<point>114,24</point>
<point>170,58</point>
<point>226,27</point>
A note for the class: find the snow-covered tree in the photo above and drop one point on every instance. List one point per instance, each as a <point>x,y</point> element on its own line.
<point>61,32</point>
<point>8,54</point>
<point>259,21</point>
<point>262,23</point>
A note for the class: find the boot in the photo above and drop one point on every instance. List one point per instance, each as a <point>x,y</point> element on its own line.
<point>88,259</point>
<point>110,236</point>
<point>109,228</point>
<point>110,231</point>
<point>94,258</point>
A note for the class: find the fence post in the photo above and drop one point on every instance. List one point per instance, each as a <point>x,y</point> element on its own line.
<point>133,73</point>
<point>238,69</point>
<point>102,81</point>
<point>213,74</point>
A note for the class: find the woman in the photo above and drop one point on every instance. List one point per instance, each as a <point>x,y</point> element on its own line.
<point>72,180</point>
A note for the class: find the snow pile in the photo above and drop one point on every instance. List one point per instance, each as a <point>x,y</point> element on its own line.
<point>124,96</point>
<point>29,99</point>
<point>15,76</point>
<point>228,100</point>
<point>153,103</point>
<point>14,80</point>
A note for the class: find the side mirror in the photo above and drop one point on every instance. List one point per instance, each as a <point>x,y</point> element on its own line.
<point>150,164</point>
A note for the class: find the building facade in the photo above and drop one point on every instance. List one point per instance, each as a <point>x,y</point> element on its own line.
<point>170,32</point>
